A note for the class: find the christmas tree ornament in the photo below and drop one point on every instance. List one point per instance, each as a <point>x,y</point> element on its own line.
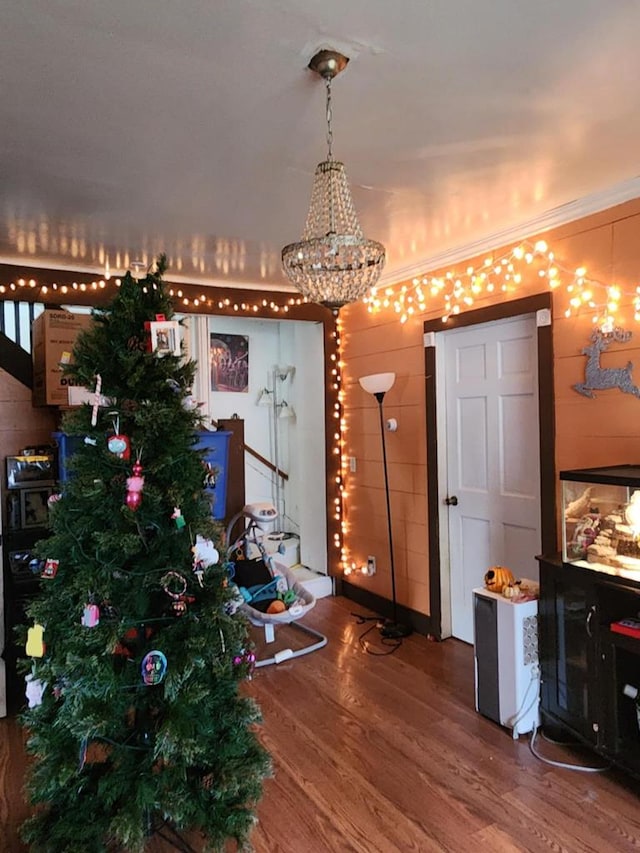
<point>175,585</point>
<point>90,615</point>
<point>50,568</point>
<point>108,611</point>
<point>190,403</point>
<point>154,667</point>
<point>53,499</point>
<point>178,518</point>
<point>205,554</point>
<point>135,484</point>
<point>35,647</point>
<point>118,444</point>
<point>33,690</point>
<point>245,658</point>
<point>96,400</point>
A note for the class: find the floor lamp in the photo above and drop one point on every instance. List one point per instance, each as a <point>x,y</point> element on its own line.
<point>378,384</point>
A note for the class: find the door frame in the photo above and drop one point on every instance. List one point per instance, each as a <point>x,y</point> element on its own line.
<point>541,305</point>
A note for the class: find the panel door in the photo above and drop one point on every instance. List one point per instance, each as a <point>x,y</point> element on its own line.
<point>493,464</point>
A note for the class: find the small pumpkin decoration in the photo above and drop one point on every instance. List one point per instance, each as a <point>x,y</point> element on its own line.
<point>512,590</point>
<point>497,577</point>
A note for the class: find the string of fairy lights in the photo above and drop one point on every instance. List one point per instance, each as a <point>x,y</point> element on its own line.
<point>452,291</point>
<point>449,294</point>
<point>339,431</point>
<point>201,302</point>
<point>459,291</point>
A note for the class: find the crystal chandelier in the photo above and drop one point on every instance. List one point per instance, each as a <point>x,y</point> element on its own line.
<point>333,263</point>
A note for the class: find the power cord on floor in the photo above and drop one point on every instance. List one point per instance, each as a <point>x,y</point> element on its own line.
<point>393,643</point>
<point>564,765</point>
<point>522,711</point>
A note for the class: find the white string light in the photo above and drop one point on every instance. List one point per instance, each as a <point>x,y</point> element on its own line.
<point>201,302</point>
<point>458,291</point>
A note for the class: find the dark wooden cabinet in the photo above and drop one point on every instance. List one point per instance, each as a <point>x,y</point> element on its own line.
<point>585,665</point>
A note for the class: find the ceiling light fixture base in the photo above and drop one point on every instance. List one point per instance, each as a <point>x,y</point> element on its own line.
<point>328,63</point>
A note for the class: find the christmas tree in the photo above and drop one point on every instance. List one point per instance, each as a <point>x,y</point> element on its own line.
<point>135,716</point>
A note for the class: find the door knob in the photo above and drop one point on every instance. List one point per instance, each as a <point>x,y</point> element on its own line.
<point>452,501</point>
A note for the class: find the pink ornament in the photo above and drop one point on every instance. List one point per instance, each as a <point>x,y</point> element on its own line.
<point>135,485</point>
<point>91,616</point>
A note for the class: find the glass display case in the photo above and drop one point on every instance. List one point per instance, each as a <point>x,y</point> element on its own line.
<point>601,519</point>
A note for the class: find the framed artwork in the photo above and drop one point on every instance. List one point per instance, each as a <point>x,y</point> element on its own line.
<point>165,337</point>
<point>229,362</point>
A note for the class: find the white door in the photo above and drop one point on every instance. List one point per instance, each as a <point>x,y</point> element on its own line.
<point>492,450</point>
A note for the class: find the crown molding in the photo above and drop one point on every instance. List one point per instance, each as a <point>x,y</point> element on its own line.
<point>553,218</point>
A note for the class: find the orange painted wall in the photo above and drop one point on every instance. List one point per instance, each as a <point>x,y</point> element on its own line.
<point>589,432</point>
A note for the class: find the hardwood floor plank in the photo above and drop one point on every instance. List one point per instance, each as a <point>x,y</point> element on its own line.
<point>384,754</point>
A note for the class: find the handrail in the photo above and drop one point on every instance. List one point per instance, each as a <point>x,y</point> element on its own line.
<point>248,449</point>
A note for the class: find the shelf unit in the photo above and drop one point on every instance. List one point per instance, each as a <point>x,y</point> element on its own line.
<point>585,665</point>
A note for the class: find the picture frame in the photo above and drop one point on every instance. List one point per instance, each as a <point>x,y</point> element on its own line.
<point>165,337</point>
<point>229,362</point>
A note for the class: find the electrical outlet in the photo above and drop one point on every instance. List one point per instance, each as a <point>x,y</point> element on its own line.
<point>371,566</point>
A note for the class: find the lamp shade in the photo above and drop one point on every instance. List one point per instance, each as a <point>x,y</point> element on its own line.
<point>285,410</point>
<point>377,383</point>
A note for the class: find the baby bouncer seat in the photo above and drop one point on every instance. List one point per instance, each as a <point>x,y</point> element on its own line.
<point>270,593</point>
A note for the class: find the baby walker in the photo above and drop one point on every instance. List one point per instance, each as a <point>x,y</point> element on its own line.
<point>271,594</point>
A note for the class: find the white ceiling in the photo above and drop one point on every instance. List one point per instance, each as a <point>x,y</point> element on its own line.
<point>130,127</point>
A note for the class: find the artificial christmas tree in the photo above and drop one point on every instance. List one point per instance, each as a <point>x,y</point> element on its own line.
<point>134,643</point>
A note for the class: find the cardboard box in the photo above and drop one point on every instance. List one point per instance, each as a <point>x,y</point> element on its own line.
<point>53,335</point>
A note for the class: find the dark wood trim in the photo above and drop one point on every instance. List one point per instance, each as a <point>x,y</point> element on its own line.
<point>546,415</point>
<point>420,622</point>
<point>16,361</point>
<point>74,287</point>
<point>433,516</point>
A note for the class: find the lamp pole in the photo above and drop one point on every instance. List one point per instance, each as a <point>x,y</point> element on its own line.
<point>377,384</point>
<point>379,395</point>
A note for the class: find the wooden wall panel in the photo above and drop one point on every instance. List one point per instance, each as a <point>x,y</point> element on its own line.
<point>589,432</point>
<point>21,423</point>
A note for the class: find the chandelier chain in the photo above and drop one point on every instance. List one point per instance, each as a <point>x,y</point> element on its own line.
<point>329,117</point>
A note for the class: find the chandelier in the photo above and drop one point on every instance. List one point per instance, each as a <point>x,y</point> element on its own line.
<point>333,263</point>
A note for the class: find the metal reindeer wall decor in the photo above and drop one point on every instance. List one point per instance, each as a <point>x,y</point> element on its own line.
<point>597,378</point>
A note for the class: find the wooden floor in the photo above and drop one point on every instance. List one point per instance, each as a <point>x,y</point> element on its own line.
<point>387,754</point>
